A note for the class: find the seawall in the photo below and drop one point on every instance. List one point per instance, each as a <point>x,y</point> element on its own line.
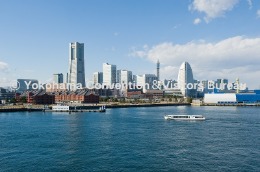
<point>109,106</point>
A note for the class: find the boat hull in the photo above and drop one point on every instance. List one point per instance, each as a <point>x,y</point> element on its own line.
<point>185,117</point>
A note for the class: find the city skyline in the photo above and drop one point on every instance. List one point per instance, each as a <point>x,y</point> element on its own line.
<point>219,43</point>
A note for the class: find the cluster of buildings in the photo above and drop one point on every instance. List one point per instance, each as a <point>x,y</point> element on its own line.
<point>43,97</point>
<point>146,86</point>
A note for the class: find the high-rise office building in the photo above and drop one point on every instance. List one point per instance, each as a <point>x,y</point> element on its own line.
<point>109,74</point>
<point>124,76</point>
<point>158,70</point>
<point>58,78</point>
<point>76,74</point>
<point>139,80</point>
<point>146,81</point>
<point>149,80</point>
<point>185,80</point>
<point>98,78</point>
<point>118,76</point>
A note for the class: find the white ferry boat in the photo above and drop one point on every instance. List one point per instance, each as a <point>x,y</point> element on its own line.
<point>60,108</point>
<point>185,117</point>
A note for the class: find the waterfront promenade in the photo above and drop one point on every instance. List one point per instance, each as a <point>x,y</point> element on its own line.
<point>26,107</point>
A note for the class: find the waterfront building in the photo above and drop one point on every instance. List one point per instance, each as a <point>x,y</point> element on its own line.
<point>98,78</point>
<point>78,96</point>
<point>53,87</point>
<point>76,73</point>
<point>250,98</point>
<point>109,74</point>
<point>134,94</point>
<point>153,94</point>
<point>58,78</point>
<point>6,94</point>
<point>185,80</point>
<point>173,92</point>
<point>43,97</point>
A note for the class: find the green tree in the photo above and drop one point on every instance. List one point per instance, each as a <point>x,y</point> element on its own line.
<point>13,100</point>
<point>106,99</point>
<point>189,100</point>
<point>175,98</point>
<point>23,100</point>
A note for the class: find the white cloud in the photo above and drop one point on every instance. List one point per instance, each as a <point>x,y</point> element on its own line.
<point>250,3</point>
<point>168,72</point>
<point>3,66</point>
<point>139,53</point>
<point>197,21</point>
<point>4,81</point>
<point>230,58</point>
<point>213,8</point>
<point>258,13</point>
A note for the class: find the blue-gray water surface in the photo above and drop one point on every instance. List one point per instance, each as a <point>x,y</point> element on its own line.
<point>131,139</point>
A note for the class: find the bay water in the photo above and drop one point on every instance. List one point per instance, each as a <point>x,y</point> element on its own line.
<point>132,139</point>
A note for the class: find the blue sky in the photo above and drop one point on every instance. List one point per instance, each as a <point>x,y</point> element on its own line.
<point>219,38</point>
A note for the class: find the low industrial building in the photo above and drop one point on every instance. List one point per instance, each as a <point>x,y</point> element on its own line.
<point>251,97</point>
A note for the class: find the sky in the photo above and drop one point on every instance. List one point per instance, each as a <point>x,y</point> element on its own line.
<point>219,38</point>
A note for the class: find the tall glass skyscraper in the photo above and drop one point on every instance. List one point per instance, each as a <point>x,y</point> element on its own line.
<point>185,80</point>
<point>76,74</point>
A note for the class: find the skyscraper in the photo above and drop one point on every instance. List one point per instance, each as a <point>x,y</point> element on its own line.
<point>158,70</point>
<point>98,78</point>
<point>109,74</point>
<point>76,74</point>
<point>149,81</point>
<point>185,79</point>
<point>124,76</point>
<point>58,78</point>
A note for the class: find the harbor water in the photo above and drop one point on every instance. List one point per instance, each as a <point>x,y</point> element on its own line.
<point>132,139</point>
